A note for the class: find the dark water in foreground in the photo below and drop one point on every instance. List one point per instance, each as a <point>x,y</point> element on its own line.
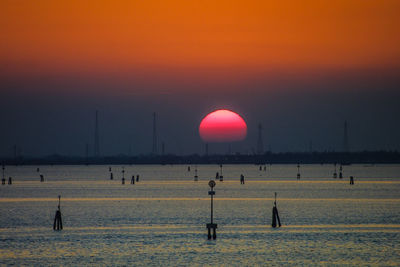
<point>161,220</point>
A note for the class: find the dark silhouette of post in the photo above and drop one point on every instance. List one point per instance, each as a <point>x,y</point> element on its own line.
<point>96,136</point>
<point>340,171</point>
<point>3,180</point>
<point>334,173</point>
<point>111,176</point>
<point>9,180</point>
<point>154,150</point>
<point>212,225</point>
<point>37,170</point>
<point>298,171</point>
<point>196,178</point>
<point>87,154</point>
<point>133,179</point>
<point>351,180</point>
<point>57,225</point>
<point>123,175</point>
<point>241,179</point>
<point>188,169</point>
<point>41,178</point>
<point>137,178</point>
<point>221,177</point>
<point>275,215</point>
<point>109,169</point>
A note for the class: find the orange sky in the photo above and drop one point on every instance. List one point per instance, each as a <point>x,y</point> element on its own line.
<point>229,36</point>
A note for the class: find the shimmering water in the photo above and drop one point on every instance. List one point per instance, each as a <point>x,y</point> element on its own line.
<point>161,220</point>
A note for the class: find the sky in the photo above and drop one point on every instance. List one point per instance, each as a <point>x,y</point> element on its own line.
<point>300,68</point>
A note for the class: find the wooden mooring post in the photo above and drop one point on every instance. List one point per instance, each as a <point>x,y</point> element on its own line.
<point>3,179</point>
<point>241,179</point>
<point>298,171</point>
<point>335,173</point>
<point>212,225</point>
<point>275,215</point>
<point>196,177</point>
<point>57,225</point>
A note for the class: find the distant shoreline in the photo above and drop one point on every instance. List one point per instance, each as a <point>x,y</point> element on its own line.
<point>345,158</point>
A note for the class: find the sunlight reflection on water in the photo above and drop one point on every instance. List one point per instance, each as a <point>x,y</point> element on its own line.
<point>161,220</point>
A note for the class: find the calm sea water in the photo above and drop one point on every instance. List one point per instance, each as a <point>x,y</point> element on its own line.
<point>161,220</point>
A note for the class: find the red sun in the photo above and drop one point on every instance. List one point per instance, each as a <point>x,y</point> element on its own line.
<point>222,126</point>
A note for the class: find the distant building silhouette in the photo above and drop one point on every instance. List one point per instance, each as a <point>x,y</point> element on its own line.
<point>260,145</point>
<point>155,150</point>
<point>15,152</point>
<point>87,152</point>
<point>96,137</point>
<point>345,138</point>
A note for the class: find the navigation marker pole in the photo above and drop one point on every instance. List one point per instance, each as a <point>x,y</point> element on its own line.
<point>212,225</point>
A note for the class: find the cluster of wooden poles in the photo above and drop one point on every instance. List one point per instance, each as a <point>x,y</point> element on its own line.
<point>211,227</point>
<point>133,179</point>
<point>220,177</point>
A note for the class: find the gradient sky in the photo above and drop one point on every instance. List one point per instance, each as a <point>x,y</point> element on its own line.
<point>298,67</point>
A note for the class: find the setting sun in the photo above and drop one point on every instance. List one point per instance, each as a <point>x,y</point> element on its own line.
<point>222,126</point>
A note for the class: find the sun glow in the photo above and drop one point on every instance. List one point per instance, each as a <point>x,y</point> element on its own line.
<point>222,126</point>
